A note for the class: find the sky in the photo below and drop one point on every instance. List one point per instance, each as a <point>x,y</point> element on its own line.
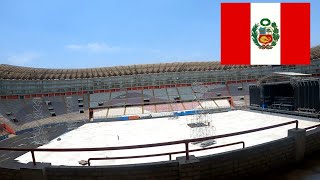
<point>93,33</point>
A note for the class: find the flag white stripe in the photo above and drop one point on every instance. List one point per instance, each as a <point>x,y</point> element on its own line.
<point>265,56</point>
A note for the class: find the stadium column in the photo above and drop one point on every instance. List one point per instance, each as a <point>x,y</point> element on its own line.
<point>299,136</point>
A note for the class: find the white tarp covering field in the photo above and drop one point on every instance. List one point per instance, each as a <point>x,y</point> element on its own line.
<point>106,134</point>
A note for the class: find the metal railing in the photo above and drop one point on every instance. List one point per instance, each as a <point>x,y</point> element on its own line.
<point>311,127</point>
<point>165,154</point>
<point>186,142</point>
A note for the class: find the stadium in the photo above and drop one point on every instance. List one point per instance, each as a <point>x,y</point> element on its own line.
<point>171,120</point>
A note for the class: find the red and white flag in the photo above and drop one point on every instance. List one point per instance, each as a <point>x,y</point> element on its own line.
<point>265,33</point>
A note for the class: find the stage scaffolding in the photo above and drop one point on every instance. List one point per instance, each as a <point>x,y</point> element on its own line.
<point>201,123</point>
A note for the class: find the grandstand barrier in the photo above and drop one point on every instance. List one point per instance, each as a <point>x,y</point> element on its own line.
<point>123,118</point>
<point>185,113</point>
<point>162,114</point>
<point>24,131</point>
<point>135,117</point>
<point>4,137</point>
<point>9,129</point>
<point>131,117</point>
<point>94,105</point>
<point>190,112</point>
<point>32,129</point>
<point>45,126</point>
<point>145,116</point>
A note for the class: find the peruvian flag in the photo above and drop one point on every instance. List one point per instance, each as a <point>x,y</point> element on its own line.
<point>265,33</point>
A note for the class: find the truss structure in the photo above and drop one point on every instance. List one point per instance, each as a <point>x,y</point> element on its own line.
<point>40,135</point>
<point>201,125</point>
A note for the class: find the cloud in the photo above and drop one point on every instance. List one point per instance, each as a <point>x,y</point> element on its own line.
<point>22,58</point>
<point>95,47</point>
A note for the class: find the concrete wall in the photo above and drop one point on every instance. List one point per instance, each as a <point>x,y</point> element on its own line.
<point>241,163</point>
<point>234,164</point>
<point>160,170</point>
<point>312,141</point>
<point>9,174</point>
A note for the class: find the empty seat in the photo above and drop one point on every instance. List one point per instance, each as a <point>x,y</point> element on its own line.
<point>118,95</point>
<point>208,105</point>
<point>163,108</point>
<point>148,92</point>
<point>93,104</point>
<point>191,105</point>
<point>99,97</point>
<point>116,112</point>
<point>100,113</point>
<point>172,91</point>
<point>177,107</point>
<point>149,109</point>
<point>133,110</point>
<point>188,97</point>
<point>161,93</point>
<point>223,103</point>
<point>185,91</point>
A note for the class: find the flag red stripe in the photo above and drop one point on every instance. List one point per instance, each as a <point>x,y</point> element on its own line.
<point>235,33</point>
<point>295,33</point>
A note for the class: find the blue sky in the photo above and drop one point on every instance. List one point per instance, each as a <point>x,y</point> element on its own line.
<point>80,34</point>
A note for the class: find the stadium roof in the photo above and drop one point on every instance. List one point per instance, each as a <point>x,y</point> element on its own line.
<point>292,74</point>
<point>18,72</point>
<point>283,77</point>
<point>315,52</point>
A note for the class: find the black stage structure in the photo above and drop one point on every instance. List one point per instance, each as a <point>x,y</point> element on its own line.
<point>287,92</point>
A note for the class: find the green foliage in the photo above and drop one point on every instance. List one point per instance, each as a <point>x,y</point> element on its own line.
<point>254,34</point>
<point>276,37</point>
<point>275,34</point>
<point>276,31</point>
